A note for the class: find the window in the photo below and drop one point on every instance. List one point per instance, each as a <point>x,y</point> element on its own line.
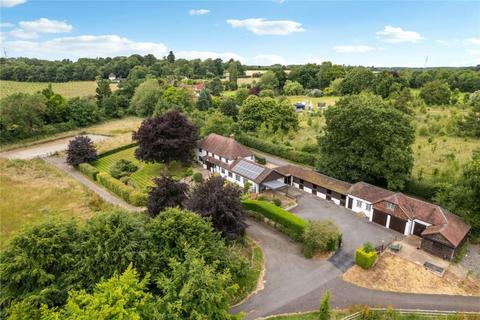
<point>359,204</point>
<point>223,171</point>
<point>390,206</point>
<point>230,174</point>
<point>200,150</point>
<point>237,177</point>
<point>301,180</point>
<point>368,207</point>
<point>220,158</point>
<point>314,187</point>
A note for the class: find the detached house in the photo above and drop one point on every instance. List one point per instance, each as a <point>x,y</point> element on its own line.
<point>236,163</point>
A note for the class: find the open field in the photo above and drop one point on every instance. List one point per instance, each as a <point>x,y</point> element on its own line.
<point>328,100</point>
<point>142,178</point>
<point>66,89</point>
<point>33,190</point>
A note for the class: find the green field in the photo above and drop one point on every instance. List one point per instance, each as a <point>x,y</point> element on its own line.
<point>143,177</point>
<point>66,89</point>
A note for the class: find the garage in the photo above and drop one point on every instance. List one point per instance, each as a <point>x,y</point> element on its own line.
<point>397,224</point>
<point>379,217</point>
<point>418,229</point>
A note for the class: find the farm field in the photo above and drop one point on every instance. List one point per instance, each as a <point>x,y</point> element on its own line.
<point>66,89</point>
<point>34,190</point>
<point>143,177</point>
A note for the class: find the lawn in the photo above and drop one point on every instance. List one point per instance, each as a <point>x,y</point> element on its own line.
<point>66,89</point>
<point>328,100</point>
<point>34,190</point>
<point>143,177</point>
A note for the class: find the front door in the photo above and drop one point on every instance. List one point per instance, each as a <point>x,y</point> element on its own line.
<point>350,203</point>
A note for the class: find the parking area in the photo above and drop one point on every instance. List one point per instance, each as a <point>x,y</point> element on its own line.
<point>356,228</point>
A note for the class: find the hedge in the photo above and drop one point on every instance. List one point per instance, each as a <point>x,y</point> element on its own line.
<point>277,150</point>
<point>88,170</point>
<point>115,150</point>
<point>125,192</point>
<point>365,259</point>
<point>292,224</point>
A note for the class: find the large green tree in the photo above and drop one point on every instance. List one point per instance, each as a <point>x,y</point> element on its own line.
<point>436,92</point>
<point>146,98</point>
<point>470,124</point>
<point>367,140</point>
<point>357,80</point>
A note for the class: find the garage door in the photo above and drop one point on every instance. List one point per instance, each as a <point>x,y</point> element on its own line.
<point>418,229</point>
<point>397,224</point>
<point>379,217</point>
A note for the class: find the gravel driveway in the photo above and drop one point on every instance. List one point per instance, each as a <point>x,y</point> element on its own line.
<point>45,149</point>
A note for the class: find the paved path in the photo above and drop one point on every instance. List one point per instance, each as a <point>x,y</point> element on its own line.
<point>104,194</point>
<point>272,159</point>
<point>294,284</point>
<point>45,149</point>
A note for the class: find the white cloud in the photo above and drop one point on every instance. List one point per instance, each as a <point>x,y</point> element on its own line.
<point>22,34</point>
<point>6,25</point>
<point>475,52</point>
<point>353,49</point>
<point>208,54</point>
<point>44,25</point>
<point>198,12</point>
<point>397,35</point>
<point>83,46</point>
<point>261,26</point>
<point>268,59</point>
<point>447,42</point>
<point>475,41</point>
<point>11,3</point>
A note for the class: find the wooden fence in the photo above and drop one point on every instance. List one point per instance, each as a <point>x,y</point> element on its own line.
<point>425,313</point>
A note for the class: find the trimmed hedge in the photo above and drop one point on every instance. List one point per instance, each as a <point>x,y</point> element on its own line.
<point>115,150</point>
<point>277,150</point>
<point>88,170</point>
<point>365,259</point>
<point>292,224</point>
<point>125,192</point>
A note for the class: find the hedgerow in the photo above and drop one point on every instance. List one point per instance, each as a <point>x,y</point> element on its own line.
<point>88,170</point>
<point>127,193</point>
<point>292,225</point>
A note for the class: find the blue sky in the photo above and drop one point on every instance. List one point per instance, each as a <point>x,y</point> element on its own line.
<point>380,33</point>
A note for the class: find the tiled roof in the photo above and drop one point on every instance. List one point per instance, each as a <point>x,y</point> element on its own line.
<point>368,192</point>
<point>442,221</point>
<point>311,176</point>
<point>224,147</point>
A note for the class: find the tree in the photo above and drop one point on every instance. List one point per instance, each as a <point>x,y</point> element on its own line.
<point>81,149</point>
<point>436,92</point>
<point>83,111</point>
<point>252,113</point>
<point>367,140</point>
<point>241,95</point>
<point>116,105</point>
<point>166,193</point>
<point>165,138</point>
<point>280,74</point>
<point>171,57</point>
<point>228,106</point>
<point>357,80</point>
<point>103,91</point>
<point>325,312</point>
<point>320,236</point>
<point>461,196</point>
<point>269,80</point>
<point>21,115</point>
<point>180,98</point>
<point>56,110</point>
<point>204,100</point>
<point>221,203</point>
<point>292,88</point>
<point>470,124</point>
<point>403,101</point>
<point>218,123</point>
<point>215,86</point>
<point>306,75</point>
<point>328,72</point>
<point>283,117</point>
<point>146,97</point>
<point>120,297</point>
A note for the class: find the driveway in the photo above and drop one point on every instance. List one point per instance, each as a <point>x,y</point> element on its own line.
<point>355,228</point>
<point>45,149</point>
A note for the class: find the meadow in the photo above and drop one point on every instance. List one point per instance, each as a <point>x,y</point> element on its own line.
<point>143,177</point>
<point>66,89</point>
<point>34,190</point>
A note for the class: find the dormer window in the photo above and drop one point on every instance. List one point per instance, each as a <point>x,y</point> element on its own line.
<point>390,206</point>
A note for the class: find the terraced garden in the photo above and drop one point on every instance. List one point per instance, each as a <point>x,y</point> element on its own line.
<point>142,178</point>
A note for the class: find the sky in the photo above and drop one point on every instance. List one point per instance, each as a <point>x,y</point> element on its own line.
<point>370,33</point>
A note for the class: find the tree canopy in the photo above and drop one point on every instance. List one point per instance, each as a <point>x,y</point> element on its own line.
<point>367,140</point>
<point>166,193</point>
<point>81,149</point>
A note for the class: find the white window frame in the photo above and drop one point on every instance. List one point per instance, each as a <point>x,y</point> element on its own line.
<point>390,206</point>
<point>358,203</point>
<point>368,206</point>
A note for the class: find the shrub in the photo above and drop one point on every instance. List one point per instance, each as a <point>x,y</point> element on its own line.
<point>88,170</point>
<point>365,259</point>
<point>277,202</point>
<point>368,247</point>
<point>260,160</point>
<point>165,194</point>
<point>125,192</point>
<point>80,150</point>
<point>197,177</point>
<point>315,93</point>
<point>116,150</point>
<point>292,224</point>
<point>122,168</point>
<point>320,236</point>
<point>324,311</point>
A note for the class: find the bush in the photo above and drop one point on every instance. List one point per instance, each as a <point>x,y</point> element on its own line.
<point>197,177</point>
<point>315,93</point>
<point>277,150</point>
<point>277,202</point>
<point>260,160</point>
<point>320,236</point>
<point>368,247</point>
<point>365,259</point>
<point>125,192</point>
<point>122,168</point>
<point>88,170</point>
<point>115,150</point>
<point>292,225</point>
<point>81,149</point>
